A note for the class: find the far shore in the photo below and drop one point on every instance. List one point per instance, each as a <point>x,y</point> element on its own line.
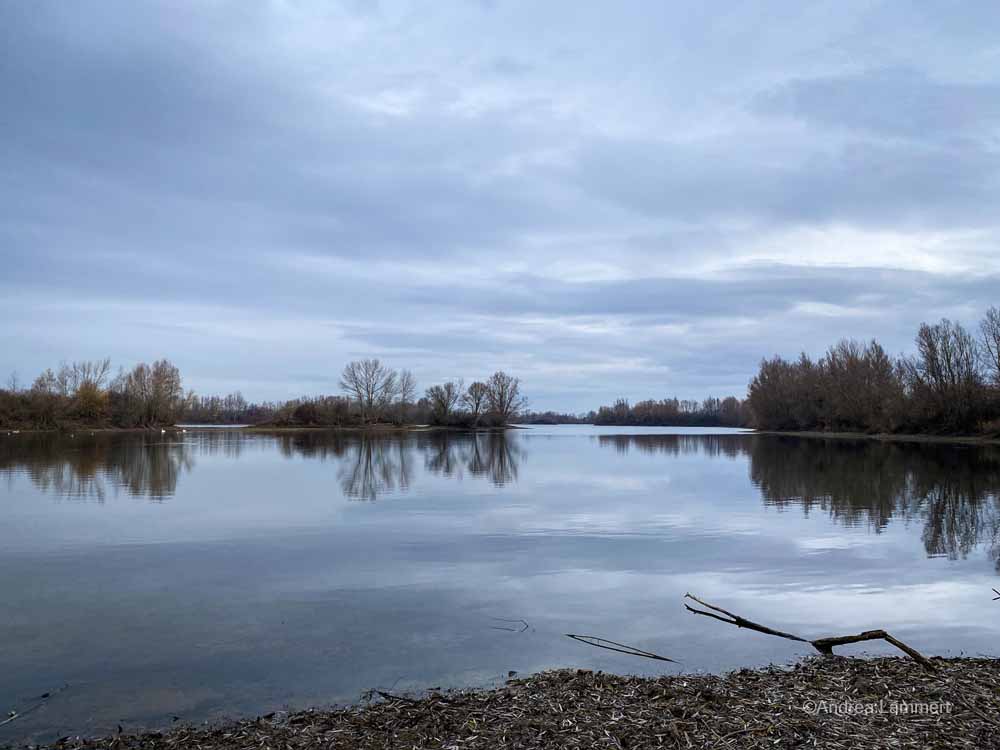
<point>262,428</point>
<point>391,428</point>
<point>888,437</point>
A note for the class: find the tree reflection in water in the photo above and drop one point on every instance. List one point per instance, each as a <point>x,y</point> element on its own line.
<point>86,467</point>
<point>953,490</point>
<point>374,464</point>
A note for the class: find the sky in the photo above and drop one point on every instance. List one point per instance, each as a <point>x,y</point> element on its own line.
<point>633,199</point>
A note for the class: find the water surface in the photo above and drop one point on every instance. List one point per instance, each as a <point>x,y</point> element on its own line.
<point>221,573</point>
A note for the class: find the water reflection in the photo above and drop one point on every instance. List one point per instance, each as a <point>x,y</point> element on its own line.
<point>371,465</point>
<point>149,465</point>
<point>953,491</point>
<point>730,446</point>
<point>88,467</point>
<point>262,588</point>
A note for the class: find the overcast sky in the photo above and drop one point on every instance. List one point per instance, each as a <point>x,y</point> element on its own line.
<point>605,199</point>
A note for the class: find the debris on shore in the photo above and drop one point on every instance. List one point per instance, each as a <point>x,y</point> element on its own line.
<point>821,702</point>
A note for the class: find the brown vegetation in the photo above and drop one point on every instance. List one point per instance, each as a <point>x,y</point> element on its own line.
<point>672,412</point>
<point>951,385</point>
<point>82,394</point>
<point>821,702</point>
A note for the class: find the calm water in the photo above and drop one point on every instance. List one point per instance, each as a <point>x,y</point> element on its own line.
<point>217,573</point>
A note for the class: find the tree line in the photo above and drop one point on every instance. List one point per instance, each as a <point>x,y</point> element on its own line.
<point>949,385</point>
<point>673,412</point>
<point>376,393</point>
<point>85,394</point>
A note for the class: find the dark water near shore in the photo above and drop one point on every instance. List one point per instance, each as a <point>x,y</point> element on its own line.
<point>219,573</point>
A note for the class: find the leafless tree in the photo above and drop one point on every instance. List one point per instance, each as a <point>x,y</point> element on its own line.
<point>90,375</point>
<point>443,399</point>
<point>13,382</point>
<point>152,394</point>
<point>503,395</point>
<point>989,329</point>
<point>371,384</point>
<point>406,388</point>
<point>47,382</point>
<point>947,356</point>
<point>475,400</point>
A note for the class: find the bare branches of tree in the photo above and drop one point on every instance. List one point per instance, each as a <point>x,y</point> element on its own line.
<point>503,395</point>
<point>474,400</point>
<point>989,330</point>
<point>152,395</point>
<point>371,384</point>
<point>950,384</point>
<point>443,399</point>
<point>406,388</point>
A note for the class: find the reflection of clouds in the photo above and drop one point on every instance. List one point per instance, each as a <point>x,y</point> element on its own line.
<point>586,540</point>
<point>954,491</point>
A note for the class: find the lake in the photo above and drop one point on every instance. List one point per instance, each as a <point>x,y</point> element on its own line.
<point>222,573</point>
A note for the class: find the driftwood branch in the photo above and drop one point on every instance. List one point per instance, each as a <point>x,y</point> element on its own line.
<point>740,622</point>
<point>823,645</point>
<point>592,640</point>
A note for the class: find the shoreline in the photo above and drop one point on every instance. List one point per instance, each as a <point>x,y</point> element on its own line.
<point>5,432</point>
<point>823,702</point>
<point>887,437</point>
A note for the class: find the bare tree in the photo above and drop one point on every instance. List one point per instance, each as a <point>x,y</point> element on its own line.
<point>406,388</point>
<point>46,382</point>
<point>443,399</point>
<point>167,392</point>
<point>90,375</point>
<point>503,395</point>
<point>475,400</point>
<point>989,329</point>
<point>13,382</point>
<point>152,394</point>
<point>371,384</point>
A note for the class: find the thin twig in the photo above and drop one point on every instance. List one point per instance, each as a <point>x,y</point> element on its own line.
<point>524,624</point>
<point>592,640</point>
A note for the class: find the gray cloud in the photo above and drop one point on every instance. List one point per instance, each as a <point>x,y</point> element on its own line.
<point>894,101</point>
<point>645,204</point>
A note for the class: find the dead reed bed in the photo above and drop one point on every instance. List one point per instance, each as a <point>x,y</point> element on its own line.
<point>821,702</point>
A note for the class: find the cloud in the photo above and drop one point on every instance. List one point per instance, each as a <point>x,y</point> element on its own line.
<point>646,205</point>
<point>892,101</point>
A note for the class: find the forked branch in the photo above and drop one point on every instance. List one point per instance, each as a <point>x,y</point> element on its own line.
<point>823,645</point>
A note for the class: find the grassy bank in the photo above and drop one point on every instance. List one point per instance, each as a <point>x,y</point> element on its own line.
<point>819,703</point>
